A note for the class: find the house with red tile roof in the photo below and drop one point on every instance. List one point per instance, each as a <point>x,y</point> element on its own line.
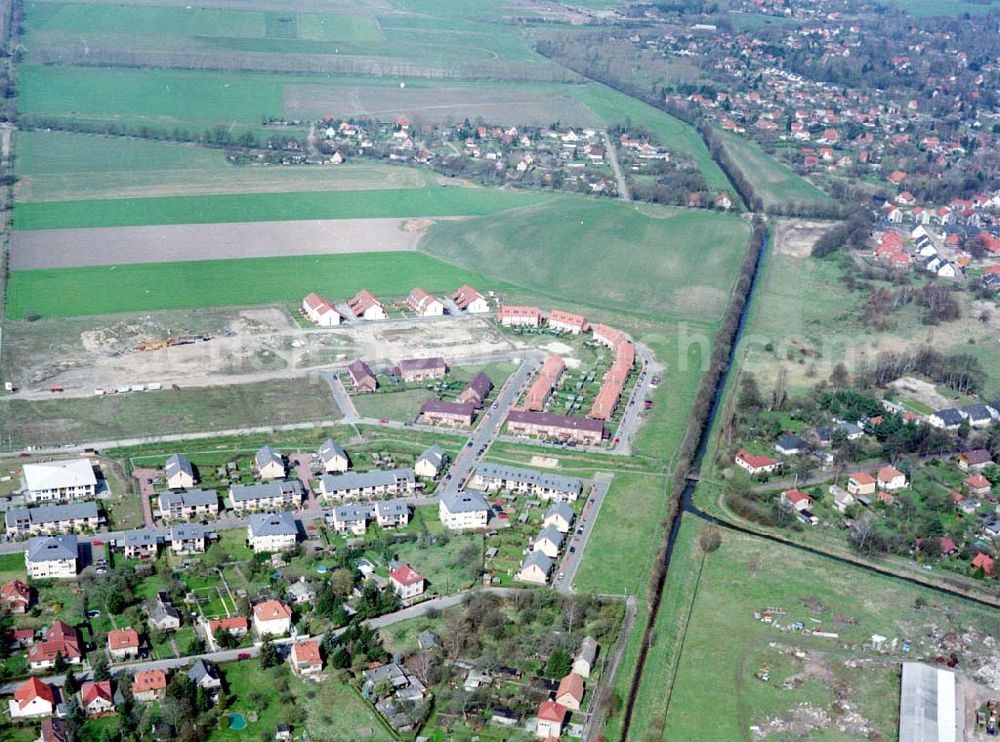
<point>364,305</point>
<point>796,499</point>
<point>978,485</point>
<point>123,644</point>
<point>424,304</point>
<point>305,657</point>
<point>237,626</point>
<point>97,699</point>
<point>518,316</point>
<point>890,479</point>
<point>550,719</point>
<point>471,301</point>
<point>986,563</point>
<point>150,685</point>
<point>61,640</point>
<point>570,692</point>
<point>755,464</point>
<point>561,321</point>
<point>406,582</point>
<point>320,311</point>
<point>32,698</point>
<point>272,618</point>
<point>544,383</point>
<point>15,597</point>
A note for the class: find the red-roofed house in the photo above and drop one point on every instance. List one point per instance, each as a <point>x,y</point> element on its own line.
<point>470,300</point>
<point>948,547</point>
<point>61,640</point>
<point>96,698</point>
<point>796,499</point>
<point>424,304</point>
<point>272,618</point>
<point>561,321</point>
<point>237,626</point>
<point>320,311</point>
<point>570,693</point>
<point>897,177</point>
<point>305,657</point>
<point>986,563</point>
<point>861,483</point>
<point>407,583</point>
<point>123,644</point>
<point>755,464</point>
<point>550,719</point>
<point>977,484</point>
<point>32,698</point>
<point>150,686</point>
<point>515,316</point>
<point>15,597</point>
<point>890,479</point>
<point>364,305</point>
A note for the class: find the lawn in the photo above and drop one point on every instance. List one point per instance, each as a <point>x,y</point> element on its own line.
<point>715,684</point>
<point>403,406</point>
<point>686,259</point>
<point>138,287</point>
<point>172,411</point>
<point>776,183</point>
<point>257,207</point>
<point>440,564</point>
<point>626,537</point>
<point>62,166</point>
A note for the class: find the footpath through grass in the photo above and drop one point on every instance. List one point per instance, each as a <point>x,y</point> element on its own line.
<point>265,207</point>
<point>73,292</point>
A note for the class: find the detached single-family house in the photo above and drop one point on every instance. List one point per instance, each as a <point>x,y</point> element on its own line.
<point>979,415</point>
<point>61,640</point>
<point>796,499</point>
<point>974,460</point>
<point>362,378</point>
<point>272,618</point>
<point>463,510</point>
<point>890,479</point>
<point>305,657</point>
<point>550,719</point>
<point>143,543</point>
<point>123,644</point>
<point>269,532</point>
<point>754,464</point>
<point>49,557</point>
<point>179,473</point>
<point>33,698</point>
<point>149,685</point>
<point>471,301</point>
<point>300,592</point>
<point>977,485</point>
<point>424,304</point>
<point>536,568</point>
<point>570,692</point>
<point>986,563</point>
<point>351,519</point>
<point>948,419</point>
<point>237,626</point>
<point>406,582</point>
<point>392,514</point>
<point>15,597</point>
<point>364,305</point>
<point>320,311</point>
<point>842,499</point>
<point>268,464</point>
<point>549,541</point>
<point>333,457</point>
<point>97,699</point>
<point>250,498</point>
<point>60,481</point>
<point>559,516</point>
<point>163,616</point>
<point>430,463</point>
<point>583,661</point>
<point>204,675</point>
<point>789,445</point>
<point>861,483</point>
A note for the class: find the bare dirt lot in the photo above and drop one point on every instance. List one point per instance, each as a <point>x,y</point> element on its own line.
<point>229,346</point>
<point>796,237</point>
<point>70,248</point>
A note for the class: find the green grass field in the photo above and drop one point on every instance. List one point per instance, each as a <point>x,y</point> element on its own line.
<point>62,166</point>
<point>606,254</point>
<point>776,183</point>
<point>931,8</point>
<point>178,411</point>
<point>69,292</point>
<point>725,645</point>
<point>256,207</point>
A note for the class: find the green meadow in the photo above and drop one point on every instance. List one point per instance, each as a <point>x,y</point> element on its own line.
<point>72,292</point>
<point>776,182</point>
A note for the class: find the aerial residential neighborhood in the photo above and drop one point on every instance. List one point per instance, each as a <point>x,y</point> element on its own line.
<point>423,371</point>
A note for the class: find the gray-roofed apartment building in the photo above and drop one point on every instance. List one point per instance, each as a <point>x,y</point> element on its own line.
<point>189,505</point>
<point>272,532</point>
<point>52,519</point>
<point>493,477</point>
<point>375,483</point>
<point>268,496</point>
<point>462,510</point>
<point>52,557</point>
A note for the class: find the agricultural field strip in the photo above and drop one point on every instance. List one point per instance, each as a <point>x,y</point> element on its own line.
<point>72,248</point>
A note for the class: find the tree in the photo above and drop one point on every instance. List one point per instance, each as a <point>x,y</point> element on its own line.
<point>710,538</point>
<point>268,654</point>
<point>75,718</point>
<point>342,582</point>
<point>559,664</point>
<point>99,668</point>
<point>69,683</point>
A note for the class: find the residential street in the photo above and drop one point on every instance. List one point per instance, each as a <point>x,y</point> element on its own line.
<point>612,153</point>
<point>577,540</point>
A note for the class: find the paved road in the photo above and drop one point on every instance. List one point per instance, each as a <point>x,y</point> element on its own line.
<point>340,396</point>
<point>609,148</point>
<point>577,540</point>
<point>645,367</point>
<point>490,423</point>
<point>144,477</point>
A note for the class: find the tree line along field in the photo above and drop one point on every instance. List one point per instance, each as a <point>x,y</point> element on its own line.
<point>74,292</point>
<point>647,260</point>
<point>256,207</point>
<point>64,166</point>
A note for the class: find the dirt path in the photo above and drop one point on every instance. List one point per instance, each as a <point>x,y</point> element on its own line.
<point>599,702</point>
<point>609,147</point>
